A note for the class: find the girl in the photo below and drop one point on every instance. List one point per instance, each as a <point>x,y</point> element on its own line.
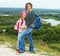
<point>22,27</point>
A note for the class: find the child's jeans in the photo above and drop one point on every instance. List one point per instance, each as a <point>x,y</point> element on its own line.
<point>21,43</point>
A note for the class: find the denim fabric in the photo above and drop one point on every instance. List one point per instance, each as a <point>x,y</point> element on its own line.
<point>21,43</point>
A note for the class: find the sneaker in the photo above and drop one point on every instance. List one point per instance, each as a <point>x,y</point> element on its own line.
<point>31,51</point>
<point>19,51</point>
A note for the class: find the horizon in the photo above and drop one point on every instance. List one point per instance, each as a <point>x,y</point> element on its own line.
<point>33,8</point>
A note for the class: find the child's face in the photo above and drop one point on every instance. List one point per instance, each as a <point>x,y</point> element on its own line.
<point>29,7</point>
<point>23,16</point>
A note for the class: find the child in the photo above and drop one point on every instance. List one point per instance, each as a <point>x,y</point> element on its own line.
<point>22,26</point>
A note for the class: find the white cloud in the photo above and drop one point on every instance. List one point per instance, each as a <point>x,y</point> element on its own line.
<point>55,4</point>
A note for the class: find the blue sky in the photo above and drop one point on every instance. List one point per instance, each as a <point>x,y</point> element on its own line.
<point>47,4</point>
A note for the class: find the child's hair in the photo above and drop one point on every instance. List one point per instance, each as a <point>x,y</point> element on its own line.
<point>28,4</point>
<point>22,12</point>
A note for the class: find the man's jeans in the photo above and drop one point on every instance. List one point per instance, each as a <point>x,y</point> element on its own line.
<point>21,44</point>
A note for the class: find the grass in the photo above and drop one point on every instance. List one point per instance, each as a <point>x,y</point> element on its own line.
<point>55,46</point>
<point>8,38</point>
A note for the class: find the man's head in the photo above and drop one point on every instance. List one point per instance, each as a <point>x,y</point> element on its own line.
<point>28,6</point>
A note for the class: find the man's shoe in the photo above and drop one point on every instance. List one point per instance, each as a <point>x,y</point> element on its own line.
<point>32,51</point>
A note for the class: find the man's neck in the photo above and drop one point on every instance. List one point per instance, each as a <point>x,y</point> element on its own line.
<point>29,10</point>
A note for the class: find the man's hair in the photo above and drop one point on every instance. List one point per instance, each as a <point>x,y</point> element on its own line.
<point>28,4</point>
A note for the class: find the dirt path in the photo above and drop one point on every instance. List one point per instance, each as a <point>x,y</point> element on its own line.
<point>6,51</point>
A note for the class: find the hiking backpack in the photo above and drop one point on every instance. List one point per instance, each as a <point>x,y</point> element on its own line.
<point>37,22</point>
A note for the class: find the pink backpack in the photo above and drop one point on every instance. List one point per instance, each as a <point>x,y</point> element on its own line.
<point>16,26</point>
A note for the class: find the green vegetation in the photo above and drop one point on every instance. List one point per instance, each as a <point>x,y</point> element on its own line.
<point>50,17</point>
<point>46,38</point>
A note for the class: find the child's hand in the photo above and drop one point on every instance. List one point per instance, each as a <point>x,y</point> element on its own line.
<point>24,26</point>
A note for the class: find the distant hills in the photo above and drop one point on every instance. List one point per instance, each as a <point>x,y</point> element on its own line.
<point>38,10</point>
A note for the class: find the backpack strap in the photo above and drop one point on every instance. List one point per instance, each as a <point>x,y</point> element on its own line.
<point>21,21</point>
